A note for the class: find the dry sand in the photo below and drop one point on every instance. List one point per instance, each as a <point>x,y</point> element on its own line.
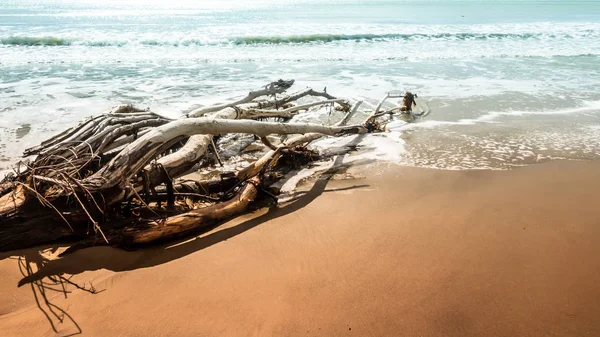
<point>411,252</point>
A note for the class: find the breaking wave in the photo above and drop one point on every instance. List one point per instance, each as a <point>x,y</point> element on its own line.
<point>33,41</point>
<point>290,39</point>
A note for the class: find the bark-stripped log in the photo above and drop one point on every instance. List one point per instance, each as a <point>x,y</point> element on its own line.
<point>136,155</point>
<point>196,146</point>
<point>10,202</point>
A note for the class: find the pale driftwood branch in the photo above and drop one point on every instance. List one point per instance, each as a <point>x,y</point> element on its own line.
<point>297,107</point>
<point>350,113</point>
<point>375,112</point>
<point>270,89</point>
<point>120,142</point>
<point>268,143</point>
<point>307,92</point>
<point>101,140</point>
<point>264,115</point>
<point>194,149</point>
<point>254,168</point>
<point>76,132</point>
<point>139,153</point>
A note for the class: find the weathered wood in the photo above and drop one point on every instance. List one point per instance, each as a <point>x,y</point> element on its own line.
<point>84,129</point>
<point>288,112</point>
<point>273,88</point>
<point>254,168</point>
<point>11,201</point>
<point>172,227</point>
<point>182,161</point>
<point>107,175</point>
<point>139,153</point>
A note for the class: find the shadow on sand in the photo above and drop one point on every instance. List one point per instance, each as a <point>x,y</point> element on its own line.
<point>82,261</point>
<point>44,275</point>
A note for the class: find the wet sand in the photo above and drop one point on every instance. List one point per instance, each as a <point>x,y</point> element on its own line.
<point>407,252</point>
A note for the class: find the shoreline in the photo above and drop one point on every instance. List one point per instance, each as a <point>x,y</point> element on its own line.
<point>402,252</point>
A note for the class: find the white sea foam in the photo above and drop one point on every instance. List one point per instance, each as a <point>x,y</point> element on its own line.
<point>480,69</point>
<point>494,116</point>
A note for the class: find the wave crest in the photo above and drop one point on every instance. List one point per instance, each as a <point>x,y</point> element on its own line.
<point>276,39</point>
<point>33,41</point>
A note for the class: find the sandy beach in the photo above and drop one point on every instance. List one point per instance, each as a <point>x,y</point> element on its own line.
<point>400,252</point>
<point>465,137</point>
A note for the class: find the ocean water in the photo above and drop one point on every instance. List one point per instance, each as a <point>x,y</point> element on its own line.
<point>509,83</point>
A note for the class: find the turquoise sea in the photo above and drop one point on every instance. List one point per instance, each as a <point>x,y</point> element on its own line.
<point>509,83</point>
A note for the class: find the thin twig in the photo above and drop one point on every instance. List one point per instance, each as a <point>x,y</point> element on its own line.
<point>143,202</point>
<point>46,202</point>
<point>94,222</point>
<point>212,142</point>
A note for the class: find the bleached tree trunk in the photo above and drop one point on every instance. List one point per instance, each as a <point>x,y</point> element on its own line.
<point>139,153</point>
<point>180,162</point>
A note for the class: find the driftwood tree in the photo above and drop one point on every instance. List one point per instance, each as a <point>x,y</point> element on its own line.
<point>113,179</point>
